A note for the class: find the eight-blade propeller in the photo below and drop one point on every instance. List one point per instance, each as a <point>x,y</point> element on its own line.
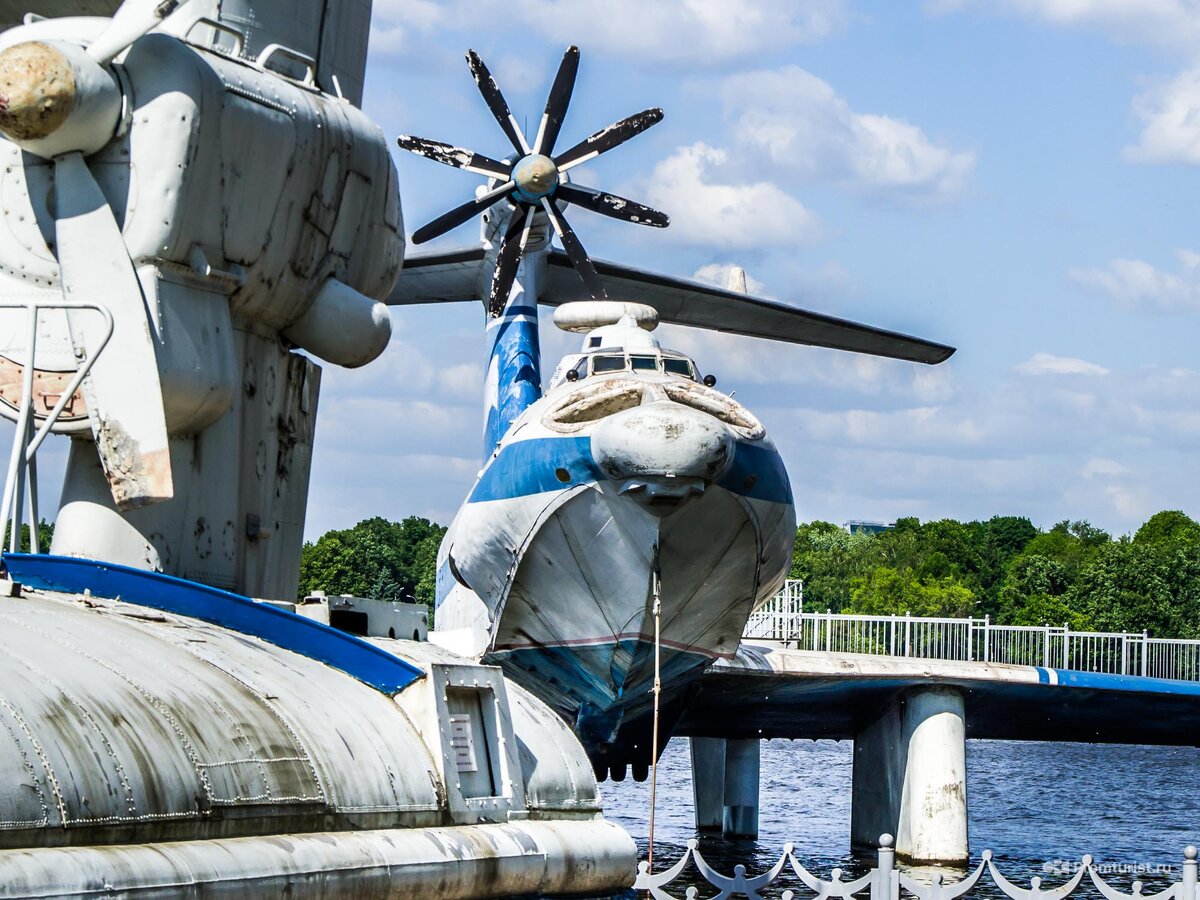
<point>534,181</point>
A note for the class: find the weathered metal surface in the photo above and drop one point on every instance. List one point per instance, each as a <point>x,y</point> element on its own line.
<point>122,724</point>
<point>590,858</point>
<point>48,389</point>
<point>37,91</point>
<point>383,671</point>
<point>242,196</point>
<point>590,491</point>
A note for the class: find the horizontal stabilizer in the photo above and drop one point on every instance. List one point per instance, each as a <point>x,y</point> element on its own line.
<point>455,275</point>
<point>681,301</point>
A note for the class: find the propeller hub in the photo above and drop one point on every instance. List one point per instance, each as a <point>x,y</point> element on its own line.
<point>37,91</point>
<point>56,99</point>
<point>536,176</point>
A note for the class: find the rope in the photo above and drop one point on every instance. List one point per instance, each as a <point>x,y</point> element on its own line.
<point>657,590</point>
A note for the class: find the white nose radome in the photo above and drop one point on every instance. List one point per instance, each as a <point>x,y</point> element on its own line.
<point>662,440</point>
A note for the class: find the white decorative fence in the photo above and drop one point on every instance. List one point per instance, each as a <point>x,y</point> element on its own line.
<point>782,618</point>
<point>886,882</point>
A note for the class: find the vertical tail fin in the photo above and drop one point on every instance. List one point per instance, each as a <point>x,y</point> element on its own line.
<point>514,380</point>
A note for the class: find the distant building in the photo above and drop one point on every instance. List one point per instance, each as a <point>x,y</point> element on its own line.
<point>854,526</point>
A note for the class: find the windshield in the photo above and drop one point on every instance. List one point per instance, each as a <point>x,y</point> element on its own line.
<point>608,363</point>
<point>677,367</point>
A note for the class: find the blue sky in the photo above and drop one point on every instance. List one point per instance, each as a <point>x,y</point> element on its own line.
<point>1014,177</point>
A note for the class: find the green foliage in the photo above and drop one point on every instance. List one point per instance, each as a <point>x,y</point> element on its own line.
<point>45,535</point>
<point>1073,573</point>
<point>887,592</point>
<point>376,558</point>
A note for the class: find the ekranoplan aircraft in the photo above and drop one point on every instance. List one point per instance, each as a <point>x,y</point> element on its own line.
<point>196,211</point>
<point>629,484</point>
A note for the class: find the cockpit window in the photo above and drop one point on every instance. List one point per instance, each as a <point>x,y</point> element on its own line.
<point>644,363</point>
<point>608,364</point>
<point>677,367</point>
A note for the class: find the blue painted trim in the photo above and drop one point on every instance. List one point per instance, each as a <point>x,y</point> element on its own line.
<point>357,658</point>
<point>758,472</point>
<point>1100,681</point>
<point>516,354</point>
<point>528,467</point>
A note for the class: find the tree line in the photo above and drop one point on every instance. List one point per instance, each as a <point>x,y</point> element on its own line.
<point>1073,573</point>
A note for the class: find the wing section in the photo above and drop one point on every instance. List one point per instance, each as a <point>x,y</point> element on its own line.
<point>681,301</point>
<point>455,275</point>
<point>440,277</point>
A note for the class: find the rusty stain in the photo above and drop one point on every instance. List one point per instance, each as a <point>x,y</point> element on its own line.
<point>48,387</point>
<point>137,479</point>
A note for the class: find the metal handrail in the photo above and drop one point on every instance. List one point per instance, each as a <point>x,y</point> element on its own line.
<point>783,618</point>
<point>20,483</point>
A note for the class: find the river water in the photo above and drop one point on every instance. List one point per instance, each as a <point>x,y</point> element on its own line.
<point>1133,809</point>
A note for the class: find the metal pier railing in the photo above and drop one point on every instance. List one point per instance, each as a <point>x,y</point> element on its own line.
<point>20,483</point>
<point>782,618</point>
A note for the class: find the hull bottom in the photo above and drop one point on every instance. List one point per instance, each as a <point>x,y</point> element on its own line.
<point>615,727</point>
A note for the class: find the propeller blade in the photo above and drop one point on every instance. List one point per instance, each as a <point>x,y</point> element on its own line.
<point>458,157</point>
<point>131,20</point>
<point>123,393</point>
<point>613,206</point>
<point>607,138</point>
<point>512,248</point>
<point>460,214</point>
<point>557,102</point>
<point>495,101</point>
<point>575,252</point>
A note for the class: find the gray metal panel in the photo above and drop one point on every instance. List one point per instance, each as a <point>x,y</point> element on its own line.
<point>344,33</point>
<point>440,277</point>
<point>684,302</point>
<point>121,724</point>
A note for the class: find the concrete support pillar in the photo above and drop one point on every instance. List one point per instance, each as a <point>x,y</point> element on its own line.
<point>741,789</point>
<point>708,782</point>
<point>910,778</point>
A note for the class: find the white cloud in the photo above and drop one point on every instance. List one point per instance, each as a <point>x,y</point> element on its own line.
<point>800,123</point>
<point>670,31</point>
<point>1136,284</point>
<point>1048,364</point>
<point>1170,115</point>
<point>1098,467</point>
<point>1172,24</point>
<point>707,207</point>
<point>1170,111</point>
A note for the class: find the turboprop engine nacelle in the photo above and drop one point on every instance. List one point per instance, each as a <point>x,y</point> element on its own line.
<point>251,213</point>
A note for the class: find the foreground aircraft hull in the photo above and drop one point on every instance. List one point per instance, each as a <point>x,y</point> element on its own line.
<point>571,611</point>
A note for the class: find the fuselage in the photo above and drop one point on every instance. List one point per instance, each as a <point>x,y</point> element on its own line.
<point>629,481</point>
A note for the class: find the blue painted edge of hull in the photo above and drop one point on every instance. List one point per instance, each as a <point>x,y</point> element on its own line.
<point>357,658</point>
<point>533,466</point>
<point>1103,681</point>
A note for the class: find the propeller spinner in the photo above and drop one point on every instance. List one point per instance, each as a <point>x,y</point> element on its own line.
<point>60,102</point>
<point>533,181</point>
